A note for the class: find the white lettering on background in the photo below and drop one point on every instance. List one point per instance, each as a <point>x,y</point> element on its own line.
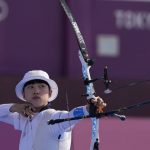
<point>129,19</point>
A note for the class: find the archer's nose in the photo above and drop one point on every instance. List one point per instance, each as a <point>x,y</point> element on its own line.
<point>36,91</point>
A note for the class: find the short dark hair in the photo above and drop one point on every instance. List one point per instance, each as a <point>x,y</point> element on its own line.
<point>35,81</point>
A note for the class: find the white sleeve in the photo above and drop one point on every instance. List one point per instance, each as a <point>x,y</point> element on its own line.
<point>68,125</point>
<point>7,116</point>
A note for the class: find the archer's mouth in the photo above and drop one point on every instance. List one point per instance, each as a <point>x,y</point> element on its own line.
<point>36,97</point>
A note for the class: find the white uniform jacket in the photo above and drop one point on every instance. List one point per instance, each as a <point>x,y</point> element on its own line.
<point>36,134</point>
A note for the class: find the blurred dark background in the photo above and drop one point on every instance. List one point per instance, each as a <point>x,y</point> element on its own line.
<point>37,34</point>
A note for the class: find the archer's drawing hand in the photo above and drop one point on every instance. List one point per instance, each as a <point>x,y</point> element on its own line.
<point>98,103</point>
<point>25,109</point>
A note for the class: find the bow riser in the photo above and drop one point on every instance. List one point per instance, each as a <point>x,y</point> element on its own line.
<point>90,93</point>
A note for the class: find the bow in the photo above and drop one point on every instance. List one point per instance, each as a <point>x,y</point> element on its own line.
<point>86,63</point>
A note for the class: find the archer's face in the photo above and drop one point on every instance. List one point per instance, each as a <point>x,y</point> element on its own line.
<point>37,94</point>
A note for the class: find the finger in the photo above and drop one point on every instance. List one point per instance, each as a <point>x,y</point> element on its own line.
<point>29,111</point>
<point>30,106</point>
<point>104,104</point>
<point>93,100</point>
<point>101,102</point>
<point>99,110</point>
<point>100,107</point>
<point>96,99</point>
<point>23,113</point>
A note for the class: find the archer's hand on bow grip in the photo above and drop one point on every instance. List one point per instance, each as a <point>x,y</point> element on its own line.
<point>97,105</point>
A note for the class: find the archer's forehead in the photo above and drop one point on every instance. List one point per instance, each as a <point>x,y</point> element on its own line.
<point>36,81</point>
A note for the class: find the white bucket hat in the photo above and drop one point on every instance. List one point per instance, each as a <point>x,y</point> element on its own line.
<point>33,75</point>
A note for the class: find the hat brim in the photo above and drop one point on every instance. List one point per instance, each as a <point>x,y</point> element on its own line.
<point>52,84</point>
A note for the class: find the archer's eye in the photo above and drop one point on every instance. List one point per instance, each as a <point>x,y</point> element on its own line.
<point>29,86</point>
<point>42,85</point>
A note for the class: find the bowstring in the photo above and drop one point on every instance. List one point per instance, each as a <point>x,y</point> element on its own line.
<point>67,106</point>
